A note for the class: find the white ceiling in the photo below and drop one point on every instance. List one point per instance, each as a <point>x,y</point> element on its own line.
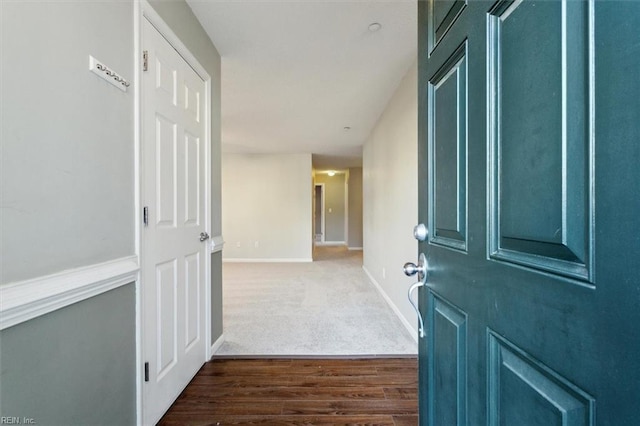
<point>296,73</point>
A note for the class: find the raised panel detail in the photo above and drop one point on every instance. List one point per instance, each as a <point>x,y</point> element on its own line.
<point>540,138</point>
<point>167,318</point>
<point>443,13</point>
<point>447,363</point>
<point>524,391</point>
<point>192,299</point>
<point>166,171</point>
<point>448,152</point>
<point>166,79</point>
<point>192,103</point>
<point>192,180</point>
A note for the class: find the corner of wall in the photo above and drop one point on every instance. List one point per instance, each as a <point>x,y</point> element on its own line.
<point>267,206</point>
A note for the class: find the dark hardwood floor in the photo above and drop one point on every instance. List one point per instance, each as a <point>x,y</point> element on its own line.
<point>379,391</point>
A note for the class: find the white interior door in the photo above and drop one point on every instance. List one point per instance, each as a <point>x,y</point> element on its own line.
<point>174,257</point>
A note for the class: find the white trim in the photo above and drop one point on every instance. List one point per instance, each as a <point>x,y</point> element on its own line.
<point>332,243</point>
<point>407,324</point>
<point>25,300</point>
<point>137,216</point>
<point>217,243</point>
<point>207,193</point>
<point>216,345</point>
<point>156,20</point>
<point>267,260</point>
<point>355,248</point>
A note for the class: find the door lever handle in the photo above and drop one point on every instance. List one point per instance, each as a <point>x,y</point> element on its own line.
<point>415,306</point>
<point>411,269</point>
<point>204,236</point>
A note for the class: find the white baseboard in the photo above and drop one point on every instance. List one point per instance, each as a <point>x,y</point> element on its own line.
<point>25,300</point>
<point>331,243</point>
<point>355,248</point>
<point>266,260</point>
<point>216,345</point>
<point>407,324</point>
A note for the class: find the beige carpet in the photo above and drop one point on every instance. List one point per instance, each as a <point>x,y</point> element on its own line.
<point>328,307</point>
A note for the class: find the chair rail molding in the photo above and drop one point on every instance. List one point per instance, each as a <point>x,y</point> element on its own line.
<point>25,300</point>
<point>217,243</point>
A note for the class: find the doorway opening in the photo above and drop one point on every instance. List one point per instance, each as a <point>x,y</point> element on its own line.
<point>318,213</point>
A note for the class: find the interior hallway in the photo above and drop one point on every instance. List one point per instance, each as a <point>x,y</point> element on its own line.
<point>325,308</point>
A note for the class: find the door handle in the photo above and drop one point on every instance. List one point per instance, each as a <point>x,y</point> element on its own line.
<point>204,236</point>
<point>420,232</point>
<point>411,269</point>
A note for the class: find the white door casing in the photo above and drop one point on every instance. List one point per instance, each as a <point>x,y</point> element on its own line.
<point>175,262</point>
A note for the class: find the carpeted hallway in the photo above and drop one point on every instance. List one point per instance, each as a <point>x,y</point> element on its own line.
<point>325,308</point>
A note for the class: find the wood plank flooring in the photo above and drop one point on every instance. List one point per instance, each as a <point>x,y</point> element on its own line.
<point>378,391</point>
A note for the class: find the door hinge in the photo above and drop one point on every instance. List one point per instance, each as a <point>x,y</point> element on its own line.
<point>145,60</point>
<point>146,371</point>
<point>145,216</point>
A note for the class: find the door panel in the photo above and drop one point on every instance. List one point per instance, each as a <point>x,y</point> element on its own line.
<point>192,102</point>
<point>540,147</point>
<point>523,391</point>
<point>443,14</point>
<point>193,174</point>
<point>166,171</point>
<point>193,300</point>
<point>174,257</point>
<point>166,73</point>
<point>167,320</point>
<point>448,147</point>
<point>447,349</point>
<point>528,181</point>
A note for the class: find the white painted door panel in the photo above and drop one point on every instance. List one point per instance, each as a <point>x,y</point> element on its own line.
<point>173,157</point>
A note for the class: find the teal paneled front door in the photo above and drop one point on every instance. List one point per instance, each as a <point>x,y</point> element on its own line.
<point>529,151</point>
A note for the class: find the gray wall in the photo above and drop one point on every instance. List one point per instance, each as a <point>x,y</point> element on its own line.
<point>216,296</point>
<point>73,366</point>
<point>67,137</point>
<point>67,200</point>
<point>355,207</point>
<point>334,200</point>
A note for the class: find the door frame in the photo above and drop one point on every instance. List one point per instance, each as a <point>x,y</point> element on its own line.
<point>322,218</point>
<point>143,10</point>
